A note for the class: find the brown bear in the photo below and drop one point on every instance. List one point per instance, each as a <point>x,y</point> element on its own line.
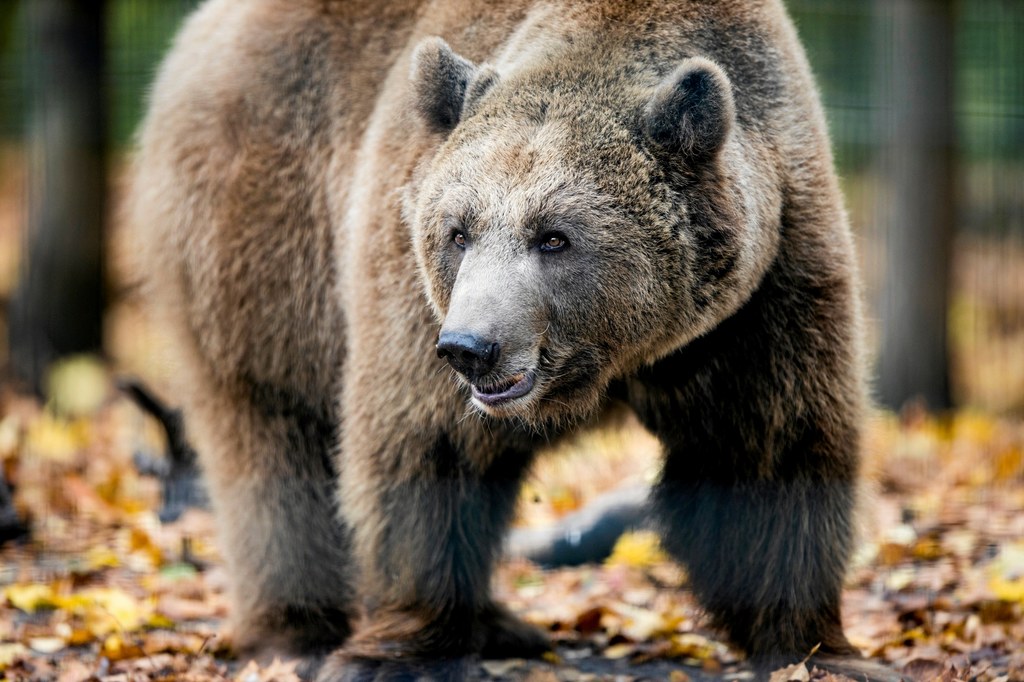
<point>391,266</point>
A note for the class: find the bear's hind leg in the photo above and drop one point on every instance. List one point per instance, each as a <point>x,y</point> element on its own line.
<point>267,463</point>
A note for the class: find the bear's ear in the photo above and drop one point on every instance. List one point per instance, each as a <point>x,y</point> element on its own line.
<point>440,79</point>
<point>692,111</point>
<point>483,80</point>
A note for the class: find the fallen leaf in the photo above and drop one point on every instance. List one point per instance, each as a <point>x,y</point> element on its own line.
<point>46,645</point>
<point>502,668</point>
<point>616,651</point>
<point>638,549</point>
<point>99,557</point>
<point>78,385</point>
<point>551,657</point>
<point>10,653</point>
<point>277,671</point>
<point>76,671</point>
<point>117,647</point>
<point>541,676</point>
<point>107,609</point>
<point>692,645</point>
<point>643,624</point>
<point>926,669</point>
<point>793,673</point>
<point>30,597</point>
<point>53,439</point>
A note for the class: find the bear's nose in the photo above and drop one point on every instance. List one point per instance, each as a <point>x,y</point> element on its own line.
<point>470,355</point>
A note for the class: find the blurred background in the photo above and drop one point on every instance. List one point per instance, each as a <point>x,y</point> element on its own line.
<point>925,101</point>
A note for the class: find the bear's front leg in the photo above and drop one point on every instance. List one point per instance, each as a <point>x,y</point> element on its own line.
<point>760,420</point>
<point>428,517</point>
<point>766,558</point>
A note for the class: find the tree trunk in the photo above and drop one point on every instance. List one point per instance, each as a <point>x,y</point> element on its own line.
<point>57,309</point>
<point>918,156</point>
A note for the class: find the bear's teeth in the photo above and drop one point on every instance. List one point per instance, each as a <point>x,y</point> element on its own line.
<point>501,387</point>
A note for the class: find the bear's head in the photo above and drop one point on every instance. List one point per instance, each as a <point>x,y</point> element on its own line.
<point>579,220</point>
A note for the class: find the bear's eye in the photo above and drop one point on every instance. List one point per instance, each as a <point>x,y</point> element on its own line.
<point>459,239</point>
<point>553,242</point>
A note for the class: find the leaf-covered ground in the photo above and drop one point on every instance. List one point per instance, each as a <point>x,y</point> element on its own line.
<point>103,591</point>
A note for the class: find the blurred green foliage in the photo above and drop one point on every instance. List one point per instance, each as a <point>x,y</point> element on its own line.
<point>845,40</point>
<point>138,34</point>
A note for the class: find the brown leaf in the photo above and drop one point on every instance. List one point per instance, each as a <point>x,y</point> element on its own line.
<point>589,621</point>
<point>926,670</point>
<point>793,673</point>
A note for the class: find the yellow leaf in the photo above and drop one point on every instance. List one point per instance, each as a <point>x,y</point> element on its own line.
<point>1007,590</point>
<point>552,658</point>
<point>46,645</point>
<point>159,620</point>
<point>77,386</point>
<point>80,636</point>
<point>892,554</point>
<point>643,624</point>
<point>11,654</point>
<point>1006,573</point>
<point>117,648</point>
<point>616,651</point>
<point>51,438</point>
<point>140,542</point>
<point>914,635</point>
<point>101,557</point>
<point>690,645</point>
<point>8,437</point>
<point>900,578</point>
<point>31,597</point>
<point>638,549</point>
<point>107,610</point>
<point>1009,464</point>
<point>928,549</point>
<point>119,605</point>
<point>564,500</point>
<point>974,427</point>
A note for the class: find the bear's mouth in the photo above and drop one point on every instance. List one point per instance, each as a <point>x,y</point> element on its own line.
<point>516,386</point>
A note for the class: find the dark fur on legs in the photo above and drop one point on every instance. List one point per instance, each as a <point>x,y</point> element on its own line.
<point>766,560</point>
<point>506,636</point>
<point>273,484</point>
<point>757,495</point>
<point>427,577</point>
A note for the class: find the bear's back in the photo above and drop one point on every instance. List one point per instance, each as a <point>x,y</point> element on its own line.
<point>248,158</point>
<point>242,160</point>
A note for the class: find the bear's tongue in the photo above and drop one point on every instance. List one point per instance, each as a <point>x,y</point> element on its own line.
<point>515,387</point>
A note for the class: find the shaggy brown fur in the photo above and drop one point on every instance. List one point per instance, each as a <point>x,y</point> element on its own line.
<point>573,203</point>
